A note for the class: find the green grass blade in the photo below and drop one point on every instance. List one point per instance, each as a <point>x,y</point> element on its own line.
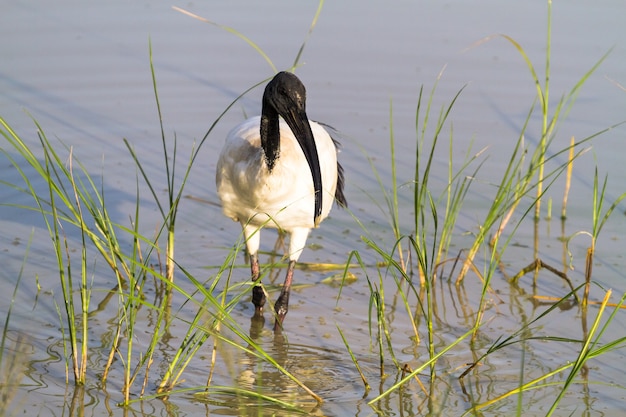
<point>234,32</point>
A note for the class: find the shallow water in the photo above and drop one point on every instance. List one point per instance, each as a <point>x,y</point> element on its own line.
<point>82,71</point>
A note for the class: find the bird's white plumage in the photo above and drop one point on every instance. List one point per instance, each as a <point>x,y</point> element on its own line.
<point>282,198</point>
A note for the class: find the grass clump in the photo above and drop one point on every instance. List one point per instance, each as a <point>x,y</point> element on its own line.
<point>416,258</point>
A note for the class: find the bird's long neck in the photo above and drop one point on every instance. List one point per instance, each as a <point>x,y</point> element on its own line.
<point>270,135</point>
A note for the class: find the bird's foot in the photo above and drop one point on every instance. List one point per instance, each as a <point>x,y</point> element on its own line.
<point>281,307</point>
<point>258,299</point>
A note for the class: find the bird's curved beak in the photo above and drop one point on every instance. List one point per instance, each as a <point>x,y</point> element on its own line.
<point>299,124</point>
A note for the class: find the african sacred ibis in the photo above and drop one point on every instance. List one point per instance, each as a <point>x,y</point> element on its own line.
<point>280,172</point>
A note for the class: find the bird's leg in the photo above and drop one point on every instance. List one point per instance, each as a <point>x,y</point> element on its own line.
<point>253,239</point>
<point>258,296</point>
<point>282,304</point>
<point>297,241</point>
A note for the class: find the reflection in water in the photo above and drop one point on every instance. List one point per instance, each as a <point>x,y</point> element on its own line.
<point>14,359</point>
<point>321,370</point>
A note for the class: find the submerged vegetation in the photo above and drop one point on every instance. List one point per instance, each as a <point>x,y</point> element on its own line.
<point>410,271</point>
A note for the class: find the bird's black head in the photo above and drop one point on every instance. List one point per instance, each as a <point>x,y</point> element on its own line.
<point>285,95</point>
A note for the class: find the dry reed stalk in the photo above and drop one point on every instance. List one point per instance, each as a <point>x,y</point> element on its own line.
<point>568,178</point>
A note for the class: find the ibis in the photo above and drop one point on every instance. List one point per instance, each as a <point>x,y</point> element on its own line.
<point>279,170</point>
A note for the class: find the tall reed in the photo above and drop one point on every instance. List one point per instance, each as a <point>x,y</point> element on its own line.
<point>598,220</point>
<point>67,196</point>
<point>528,175</point>
<point>549,123</point>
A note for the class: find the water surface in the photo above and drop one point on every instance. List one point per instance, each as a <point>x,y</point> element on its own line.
<point>82,71</point>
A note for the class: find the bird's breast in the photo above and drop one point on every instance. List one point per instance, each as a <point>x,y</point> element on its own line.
<point>282,197</point>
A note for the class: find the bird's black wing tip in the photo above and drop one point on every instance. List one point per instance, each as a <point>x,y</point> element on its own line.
<point>340,197</point>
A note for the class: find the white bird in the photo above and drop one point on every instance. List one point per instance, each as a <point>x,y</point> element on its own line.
<point>280,173</point>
